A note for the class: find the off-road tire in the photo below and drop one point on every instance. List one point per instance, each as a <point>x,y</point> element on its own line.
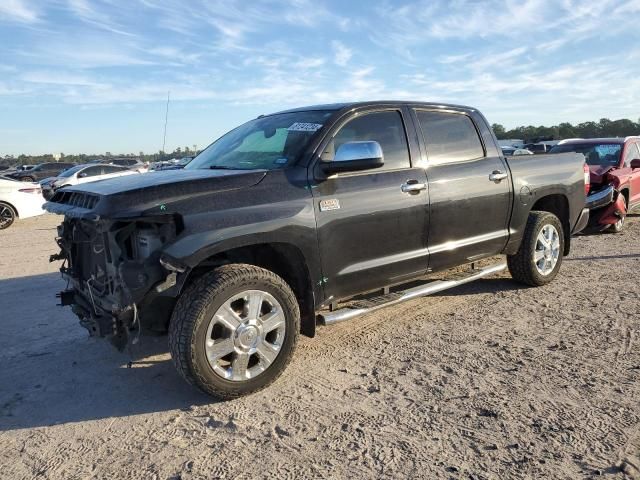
<point>197,305</point>
<point>8,209</point>
<point>522,265</point>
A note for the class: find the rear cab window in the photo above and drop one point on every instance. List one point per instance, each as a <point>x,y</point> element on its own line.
<point>449,137</point>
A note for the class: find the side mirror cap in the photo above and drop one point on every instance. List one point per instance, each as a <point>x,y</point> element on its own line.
<point>355,156</point>
<point>635,163</point>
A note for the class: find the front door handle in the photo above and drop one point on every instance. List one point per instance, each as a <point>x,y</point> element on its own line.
<point>413,187</point>
<point>497,176</point>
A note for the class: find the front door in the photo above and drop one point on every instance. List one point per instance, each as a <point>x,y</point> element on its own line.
<point>632,153</point>
<point>371,233</point>
<point>469,190</point>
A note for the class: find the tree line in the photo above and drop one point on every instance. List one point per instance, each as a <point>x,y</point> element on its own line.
<point>23,159</point>
<point>603,128</point>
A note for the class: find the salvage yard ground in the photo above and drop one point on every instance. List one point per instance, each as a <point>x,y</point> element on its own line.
<point>490,380</point>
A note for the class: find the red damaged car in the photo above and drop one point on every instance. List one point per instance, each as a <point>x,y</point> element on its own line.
<point>614,167</point>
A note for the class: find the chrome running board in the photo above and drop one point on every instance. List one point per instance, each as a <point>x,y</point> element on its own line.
<point>430,288</point>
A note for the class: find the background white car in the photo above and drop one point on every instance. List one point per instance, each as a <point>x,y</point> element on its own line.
<point>19,200</point>
<point>90,173</point>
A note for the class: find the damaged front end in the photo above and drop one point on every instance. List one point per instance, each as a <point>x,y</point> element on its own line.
<point>117,281</point>
<point>606,206</point>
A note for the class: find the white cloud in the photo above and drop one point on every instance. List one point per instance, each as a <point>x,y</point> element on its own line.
<point>18,10</point>
<point>342,53</point>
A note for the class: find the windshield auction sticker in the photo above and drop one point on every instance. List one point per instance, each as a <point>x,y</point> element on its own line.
<point>304,127</point>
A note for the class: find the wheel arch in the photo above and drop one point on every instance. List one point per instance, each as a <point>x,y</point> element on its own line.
<point>558,204</point>
<point>284,259</point>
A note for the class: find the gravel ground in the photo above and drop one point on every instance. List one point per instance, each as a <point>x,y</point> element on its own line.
<point>490,380</point>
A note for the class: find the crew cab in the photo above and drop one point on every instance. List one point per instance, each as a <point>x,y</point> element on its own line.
<point>277,225</point>
<point>614,165</point>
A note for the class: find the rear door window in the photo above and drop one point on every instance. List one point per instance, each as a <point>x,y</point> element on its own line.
<point>107,169</point>
<point>91,172</point>
<point>450,137</point>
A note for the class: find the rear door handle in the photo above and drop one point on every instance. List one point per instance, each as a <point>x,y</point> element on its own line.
<point>497,176</point>
<point>413,187</point>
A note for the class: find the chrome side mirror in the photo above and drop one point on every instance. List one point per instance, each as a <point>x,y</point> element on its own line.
<point>354,156</point>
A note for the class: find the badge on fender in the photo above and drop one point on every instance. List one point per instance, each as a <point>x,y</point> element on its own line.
<point>330,204</point>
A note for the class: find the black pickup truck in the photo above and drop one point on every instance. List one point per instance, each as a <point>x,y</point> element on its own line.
<point>266,232</point>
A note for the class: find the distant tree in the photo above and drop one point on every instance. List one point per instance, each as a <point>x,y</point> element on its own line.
<point>498,130</point>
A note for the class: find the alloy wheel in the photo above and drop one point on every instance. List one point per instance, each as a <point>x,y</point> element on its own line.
<point>547,251</point>
<point>245,335</point>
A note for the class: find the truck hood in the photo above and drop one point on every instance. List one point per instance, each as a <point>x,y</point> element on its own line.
<point>598,173</point>
<point>134,195</point>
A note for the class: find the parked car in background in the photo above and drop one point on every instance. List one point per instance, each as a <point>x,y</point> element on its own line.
<point>131,163</point>
<point>89,173</point>
<point>175,164</point>
<point>614,167</point>
<point>279,221</point>
<point>511,151</point>
<point>522,151</point>
<point>42,171</point>
<point>18,200</point>
<point>538,147</point>
<point>47,187</point>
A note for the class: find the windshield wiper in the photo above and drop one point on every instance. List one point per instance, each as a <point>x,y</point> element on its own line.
<point>221,167</point>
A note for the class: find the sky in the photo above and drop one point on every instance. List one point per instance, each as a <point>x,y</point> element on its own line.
<point>89,76</point>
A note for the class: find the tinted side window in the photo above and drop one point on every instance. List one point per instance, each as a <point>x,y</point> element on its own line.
<point>91,172</point>
<point>450,137</point>
<point>631,154</point>
<point>386,128</point>
<point>112,169</point>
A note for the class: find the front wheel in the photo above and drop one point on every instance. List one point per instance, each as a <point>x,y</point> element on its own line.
<point>28,179</point>
<point>619,225</point>
<point>539,257</point>
<point>234,330</point>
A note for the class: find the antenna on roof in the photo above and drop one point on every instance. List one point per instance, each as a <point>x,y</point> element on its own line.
<point>166,118</point>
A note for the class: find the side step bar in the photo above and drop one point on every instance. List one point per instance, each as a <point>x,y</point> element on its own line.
<point>430,288</point>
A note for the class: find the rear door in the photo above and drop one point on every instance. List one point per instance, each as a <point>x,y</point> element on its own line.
<point>469,189</point>
<point>371,233</point>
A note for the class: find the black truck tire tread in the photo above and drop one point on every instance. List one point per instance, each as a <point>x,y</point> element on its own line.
<point>189,313</point>
<point>521,265</point>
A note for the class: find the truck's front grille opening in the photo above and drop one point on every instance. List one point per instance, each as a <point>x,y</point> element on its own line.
<point>76,199</point>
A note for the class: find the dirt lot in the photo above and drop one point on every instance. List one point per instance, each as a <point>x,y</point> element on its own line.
<point>491,380</point>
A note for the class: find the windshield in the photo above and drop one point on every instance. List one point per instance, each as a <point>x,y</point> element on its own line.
<point>267,143</point>
<point>71,171</point>
<point>604,154</point>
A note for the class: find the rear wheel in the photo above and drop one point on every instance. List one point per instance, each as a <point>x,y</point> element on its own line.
<point>7,215</point>
<point>234,330</point>
<point>540,254</point>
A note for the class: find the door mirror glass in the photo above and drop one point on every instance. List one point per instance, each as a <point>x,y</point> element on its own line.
<point>354,156</point>
<point>635,163</point>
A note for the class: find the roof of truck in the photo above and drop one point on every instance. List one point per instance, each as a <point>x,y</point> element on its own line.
<point>373,103</point>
